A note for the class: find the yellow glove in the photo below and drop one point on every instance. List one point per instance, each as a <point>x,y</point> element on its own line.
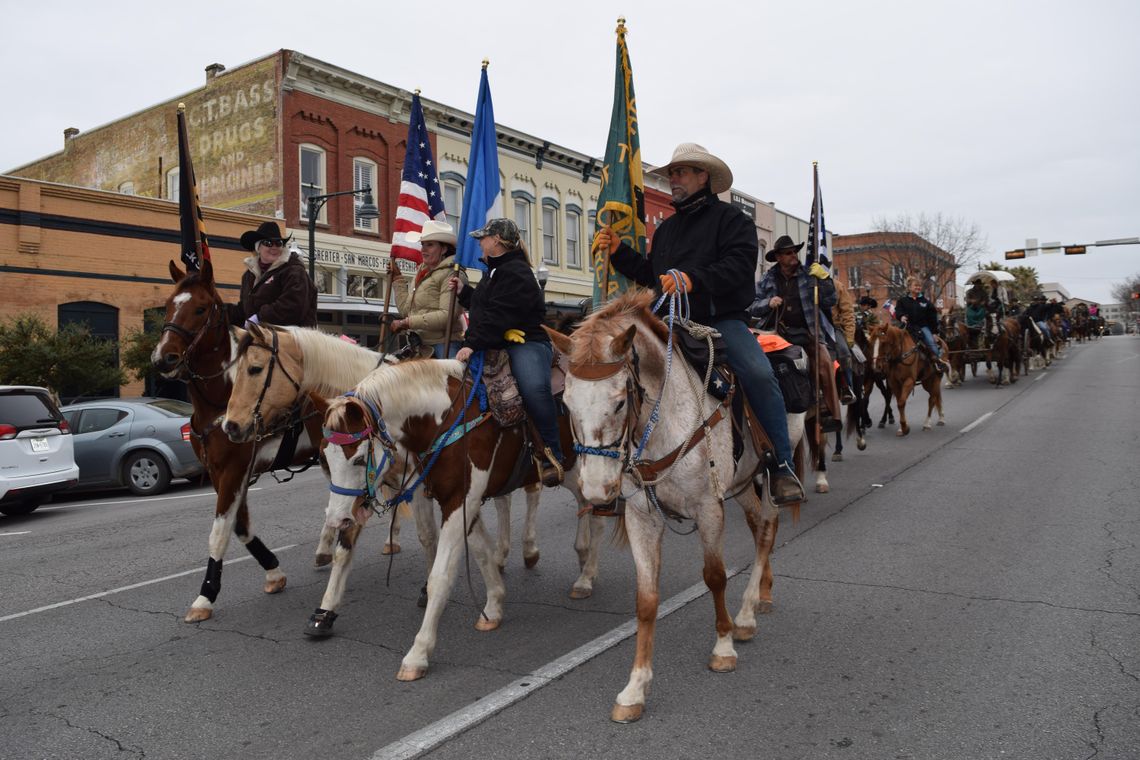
<point>817,270</point>
<point>606,239</point>
<point>514,336</point>
<point>669,285</point>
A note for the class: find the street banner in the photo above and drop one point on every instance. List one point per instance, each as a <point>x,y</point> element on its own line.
<point>621,200</point>
<point>481,193</point>
<point>195,245</point>
<point>421,198</point>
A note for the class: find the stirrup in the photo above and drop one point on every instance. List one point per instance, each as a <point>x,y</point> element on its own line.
<point>552,460</point>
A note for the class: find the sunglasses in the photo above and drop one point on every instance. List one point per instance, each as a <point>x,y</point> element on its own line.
<point>273,243</point>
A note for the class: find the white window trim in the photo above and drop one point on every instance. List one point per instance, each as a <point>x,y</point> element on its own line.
<point>553,235</point>
<point>366,225</point>
<point>173,184</point>
<point>577,226</point>
<point>322,186</point>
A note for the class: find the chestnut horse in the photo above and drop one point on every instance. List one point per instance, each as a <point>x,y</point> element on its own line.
<point>679,464</point>
<point>195,346</point>
<point>905,365</point>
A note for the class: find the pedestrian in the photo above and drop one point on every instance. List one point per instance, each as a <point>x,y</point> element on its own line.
<point>712,247</point>
<point>506,312</point>
<point>425,303</point>
<point>275,288</point>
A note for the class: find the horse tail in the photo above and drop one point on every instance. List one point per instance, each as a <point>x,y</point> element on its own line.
<point>852,425</point>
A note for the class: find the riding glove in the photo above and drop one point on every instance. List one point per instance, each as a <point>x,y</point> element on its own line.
<point>818,271</point>
<point>606,239</point>
<point>669,284</point>
<point>514,335</point>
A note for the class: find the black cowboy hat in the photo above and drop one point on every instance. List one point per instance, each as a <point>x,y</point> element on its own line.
<point>783,243</point>
<point>869,302</point>
<point>267,231</point>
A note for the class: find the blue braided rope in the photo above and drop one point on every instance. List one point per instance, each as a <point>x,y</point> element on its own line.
<point>595,451</point>
<point>655,415</point>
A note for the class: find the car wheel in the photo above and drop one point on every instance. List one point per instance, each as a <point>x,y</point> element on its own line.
<point>146,473</point>
<point>19,508</point>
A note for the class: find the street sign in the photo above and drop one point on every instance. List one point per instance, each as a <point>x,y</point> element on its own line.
<point>1018,253</point>
<point>1072,250</point>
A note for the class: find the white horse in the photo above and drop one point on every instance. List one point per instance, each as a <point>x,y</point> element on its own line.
<point>618,356</point>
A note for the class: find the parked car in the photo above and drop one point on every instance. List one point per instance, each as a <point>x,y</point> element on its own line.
<point>36,449</point>
<point>140,443</point>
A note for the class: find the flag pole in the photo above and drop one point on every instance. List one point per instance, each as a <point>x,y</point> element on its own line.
<point>814,251</point>
<point>450,314</point>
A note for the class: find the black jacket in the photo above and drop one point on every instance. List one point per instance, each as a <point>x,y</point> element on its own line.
<point>918,311</point>
<point>508,297</point>
<point>711,241</point>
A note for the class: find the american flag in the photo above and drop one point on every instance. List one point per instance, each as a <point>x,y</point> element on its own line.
<point>420,198</point>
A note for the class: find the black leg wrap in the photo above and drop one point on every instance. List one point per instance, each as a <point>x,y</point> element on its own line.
<point>320,623</point>
<point>264,557</point>
<point>213,582</point>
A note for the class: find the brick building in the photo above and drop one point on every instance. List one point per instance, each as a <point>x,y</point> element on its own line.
<point>878,264</point>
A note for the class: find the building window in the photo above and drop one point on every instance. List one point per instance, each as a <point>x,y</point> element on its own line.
<point>522,219</point>
<point>363,286</point>
<point>898,274</point>
<point>326,281</point>
<point>452,202</point>
<point>573,232</point>
<point>127,188</point>
<point>854,277</point>
<point>550,235</point>
<point>363,175</point>
<point>312,179</point>
<point>173,184</point>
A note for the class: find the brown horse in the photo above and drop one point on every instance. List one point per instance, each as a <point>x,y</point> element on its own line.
<point>905,365</point>
<point>195,345</point>
<point>998,344</point>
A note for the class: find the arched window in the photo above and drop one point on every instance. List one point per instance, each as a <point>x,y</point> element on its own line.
<point>103,322</point>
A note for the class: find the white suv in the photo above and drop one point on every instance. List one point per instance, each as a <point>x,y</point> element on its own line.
<point>37,456</point>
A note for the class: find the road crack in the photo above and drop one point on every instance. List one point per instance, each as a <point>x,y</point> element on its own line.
<point>134,750</point>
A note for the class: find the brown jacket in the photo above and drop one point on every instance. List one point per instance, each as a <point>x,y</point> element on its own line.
<point>425,305</point>
<point>843,314</point>
<point>284,295</point>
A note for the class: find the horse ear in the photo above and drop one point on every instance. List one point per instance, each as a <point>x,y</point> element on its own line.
<point>176,274</point>
<point>622,342</point>
<point>207,271</point>
<point>561,342</point>
<point>320,403</point>
<point>256,331</point>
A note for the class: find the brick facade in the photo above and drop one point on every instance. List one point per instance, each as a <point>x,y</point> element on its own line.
<point>878,263</point>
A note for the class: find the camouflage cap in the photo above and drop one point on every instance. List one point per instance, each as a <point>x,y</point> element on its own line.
<point>504,229</point>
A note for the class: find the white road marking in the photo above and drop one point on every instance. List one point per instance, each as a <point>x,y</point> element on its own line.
<point>1041,376</point>
<point>131,501</point>
<point>437,733</point>
<point>17,533</point>
<point>977,422</point>
<point>121,589</point>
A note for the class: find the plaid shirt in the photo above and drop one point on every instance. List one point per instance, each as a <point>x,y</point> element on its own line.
<point>770,284</point>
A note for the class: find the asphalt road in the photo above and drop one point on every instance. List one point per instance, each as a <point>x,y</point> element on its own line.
<point>958,595</point>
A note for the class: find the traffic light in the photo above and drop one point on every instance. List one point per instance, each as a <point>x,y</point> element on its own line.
<point>1072,250</point>
<point>1135,296</point>
<point>1018,253</point>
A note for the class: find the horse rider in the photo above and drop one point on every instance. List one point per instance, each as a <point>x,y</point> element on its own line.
<point>842,318</point>
<point>976,313</point>
<point>426,302</point>
<point>276,287</point>
<point>506,312</point>
<point>712,245</point>
<point>785,295</point>
<point>1038,313</point>
<point>865,316</point>
<point>920,319</point>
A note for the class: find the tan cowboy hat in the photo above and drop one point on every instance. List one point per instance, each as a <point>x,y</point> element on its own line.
<point>440,232</point>
<point>691,154</point>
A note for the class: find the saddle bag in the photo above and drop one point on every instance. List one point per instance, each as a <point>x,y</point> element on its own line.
<point>503,394</point>
<point>696,352</point>
<point>791,367</point>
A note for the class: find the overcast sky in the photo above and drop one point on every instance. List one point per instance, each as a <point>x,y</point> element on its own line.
<point>1021,116</point>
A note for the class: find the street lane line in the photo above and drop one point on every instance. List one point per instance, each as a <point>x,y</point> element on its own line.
<point>17,533</point>
<point>71,504</point>
<point>977,422</point>
<point>435,734</point>
<point>1041,376</point>
<point>121,589</point>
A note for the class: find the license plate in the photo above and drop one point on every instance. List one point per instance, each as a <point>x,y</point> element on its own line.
<point>39,444</point>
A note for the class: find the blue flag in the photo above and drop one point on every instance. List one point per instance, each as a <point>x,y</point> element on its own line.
<point>481,194</point>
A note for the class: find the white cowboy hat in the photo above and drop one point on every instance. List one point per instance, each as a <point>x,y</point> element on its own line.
<point>691,154</point>
<point>440,232</point>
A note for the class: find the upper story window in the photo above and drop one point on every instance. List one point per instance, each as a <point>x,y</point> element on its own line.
<point>573,235</point>
<point>898,274</point>
<point>173,184</point>
<point>854,277</point>
<point>363,175</point>
<point>127,188</point>
<point>312,179</point>
<point>522,219</point>
<point>452,199</point>
<point>550,234</point>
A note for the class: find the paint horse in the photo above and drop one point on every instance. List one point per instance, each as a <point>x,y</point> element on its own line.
<point>678,463</point>
<point>313,359</point>
<point>898,358</point>
<point>195,345</point>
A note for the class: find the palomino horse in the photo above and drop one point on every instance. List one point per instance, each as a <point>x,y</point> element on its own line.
<point>904,364</point>
<point>195,345</point>
<point>679,464</point>
<point>313,359</point>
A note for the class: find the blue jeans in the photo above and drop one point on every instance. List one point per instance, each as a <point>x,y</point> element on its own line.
<point>928,337</point>
<point>755,376</point>
<point>437,350</point>
<point>530,364</point>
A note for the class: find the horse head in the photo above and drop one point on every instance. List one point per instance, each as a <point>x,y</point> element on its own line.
<point>195,321</point>
<point>265,375</point>
<point>350,459</point>
<point>885,346</point>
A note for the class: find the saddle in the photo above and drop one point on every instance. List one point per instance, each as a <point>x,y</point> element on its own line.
<point>503,396</point>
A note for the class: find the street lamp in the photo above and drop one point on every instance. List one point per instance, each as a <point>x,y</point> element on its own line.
<point>542,274</point>
<point>367,210</point>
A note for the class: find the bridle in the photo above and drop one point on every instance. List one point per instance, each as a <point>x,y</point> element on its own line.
<point>373,470</point>
<point>261,432</point>
<point>622,448</point>
<point>193,339</point>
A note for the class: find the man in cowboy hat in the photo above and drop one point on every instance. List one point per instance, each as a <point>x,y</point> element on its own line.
<point>275,288</point>
<point>786,295</point>
<point>427,303</point>
<point>711,246</point>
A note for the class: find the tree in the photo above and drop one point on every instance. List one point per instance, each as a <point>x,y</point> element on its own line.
<point>1027,284</point>
<point>69,361</point>
<point>961,244</point>
<point>1126,293</point>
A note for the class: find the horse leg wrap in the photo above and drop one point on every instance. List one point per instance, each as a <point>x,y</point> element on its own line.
<point>213,582</point>
<point>264,557</point>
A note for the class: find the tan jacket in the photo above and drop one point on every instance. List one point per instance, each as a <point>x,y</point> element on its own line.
<point>425,305</point>
<point>843,314</point>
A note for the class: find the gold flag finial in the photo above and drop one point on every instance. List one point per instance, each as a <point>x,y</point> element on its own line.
<point>417,90</point>
<point>621,25</point>
<point>486,63</point>
<point>181,106</point>
<point>815,163</point>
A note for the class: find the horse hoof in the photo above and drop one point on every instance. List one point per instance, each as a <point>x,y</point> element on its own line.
<point>390,549</point>
<point>320,624</point>
<point>274,586</point>
<point>764,607</point>
<point>531,561</point>
<point>882,425</point>
<point>837,457</point>
<point>900,433</point>
<point>322,560</point>
<point>410,674</point>
<point>422,601</point>
<point>823,488</point>
<point>580,593</point>
<point>927,426</point>
<point>198,614</point>
<point>721,664</point>
<point>483,624</point>
<point>861,444</point>
<point>941,423</point>
<point>627,713</point>
<point>743,632</point>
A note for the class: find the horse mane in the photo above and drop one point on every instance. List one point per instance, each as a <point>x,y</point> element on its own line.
<point>331,365</point>
<point>610,321</point>
<point>406,385</point>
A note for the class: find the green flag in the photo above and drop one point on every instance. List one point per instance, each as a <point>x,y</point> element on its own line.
<point>621,201</point>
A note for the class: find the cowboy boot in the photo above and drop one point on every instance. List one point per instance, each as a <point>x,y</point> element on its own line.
<point>846,396</point>
<point>550,471</point>
<point>785,486</point>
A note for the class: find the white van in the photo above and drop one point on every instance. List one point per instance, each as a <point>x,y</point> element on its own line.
<point>37,456</point>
